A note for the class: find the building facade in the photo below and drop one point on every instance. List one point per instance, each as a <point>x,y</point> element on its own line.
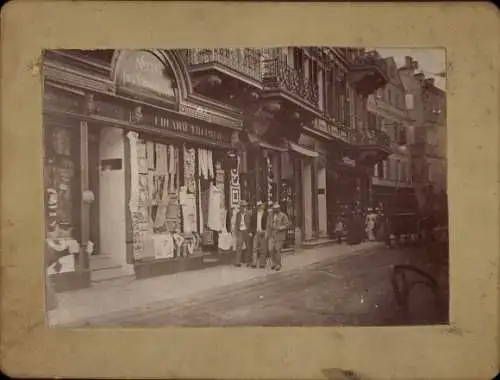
<point>392,185</point>
<point>426,106</point>
<point>149,152</point>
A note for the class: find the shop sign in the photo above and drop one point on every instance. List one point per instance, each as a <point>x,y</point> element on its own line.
<point>185,127</point>
<point>349,161</point>
<point>143,71</point>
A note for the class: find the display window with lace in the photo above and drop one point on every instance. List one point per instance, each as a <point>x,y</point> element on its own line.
<point>156,214</point>
<point>61,174</point>
<point>211,179</point>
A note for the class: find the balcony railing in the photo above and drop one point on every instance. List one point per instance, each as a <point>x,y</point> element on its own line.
<point>289,79</point>
<point>370,59</point>
<point>244,61</point>
<point>372,137</point>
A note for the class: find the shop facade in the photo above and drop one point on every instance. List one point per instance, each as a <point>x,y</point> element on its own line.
<point>135,169</point>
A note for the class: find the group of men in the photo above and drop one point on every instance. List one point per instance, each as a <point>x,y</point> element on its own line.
<point>263,231</point>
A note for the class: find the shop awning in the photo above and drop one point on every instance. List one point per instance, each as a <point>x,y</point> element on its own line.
<point>279,148</point>
<point>302,150</point>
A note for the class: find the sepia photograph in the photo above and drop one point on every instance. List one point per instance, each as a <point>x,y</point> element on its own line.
<point>286,186</point>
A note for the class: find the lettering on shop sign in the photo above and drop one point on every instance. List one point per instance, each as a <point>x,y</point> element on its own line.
<point>188,128</point>
<point>144,71</point>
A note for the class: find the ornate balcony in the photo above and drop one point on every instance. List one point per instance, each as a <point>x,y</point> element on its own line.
<point>225,73</point>
<point>290,97</point>
<point>371,146</point>
<point>245,61</point>
<point>335,129</point>
<point>367,73</point>
<point>280,77</point>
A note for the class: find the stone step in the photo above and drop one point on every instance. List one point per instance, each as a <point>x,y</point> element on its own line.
<point>99,262</point>
<point>109,274</point>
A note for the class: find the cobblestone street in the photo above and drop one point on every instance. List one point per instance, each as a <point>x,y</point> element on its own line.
<point>351,290</point>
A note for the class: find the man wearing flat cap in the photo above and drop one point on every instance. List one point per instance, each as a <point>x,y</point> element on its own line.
<point>243,232</point>
<point>277,226</point>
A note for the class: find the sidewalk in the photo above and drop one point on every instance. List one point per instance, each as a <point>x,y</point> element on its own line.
<point>116,296</point>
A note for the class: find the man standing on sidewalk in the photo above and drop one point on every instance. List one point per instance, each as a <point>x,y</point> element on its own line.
<point>243,233</point>
<point>259,226</point>
<point>277,227</point>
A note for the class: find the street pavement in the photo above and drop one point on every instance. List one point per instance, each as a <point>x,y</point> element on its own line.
<point>353,290</point>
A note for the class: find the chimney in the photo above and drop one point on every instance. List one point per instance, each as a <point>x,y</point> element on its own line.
<point>408,62</point>
<point>429,82</point>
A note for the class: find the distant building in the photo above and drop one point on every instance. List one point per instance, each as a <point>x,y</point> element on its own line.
<point>392,180</point>
<point>426,106</point>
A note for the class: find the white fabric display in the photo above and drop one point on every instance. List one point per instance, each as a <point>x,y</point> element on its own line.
<point>134,171</point>
<point>163,246</point>
<point>141,147</point>
<point>178,241</point>
<point>225,241</point>
<point>210,164</point>
<point>171,159</point>
<point>172,166</point>
<point>67,265</point>
<point>189,214</point>
<point>161,213</point>
<point>214,209</point>
<point>151,187</point>
<point>161,159</point>
<point>150,152</point>
<point>200,174</point>
<point>205,164</point>
<point>182,196</point>
<point>200,209</point>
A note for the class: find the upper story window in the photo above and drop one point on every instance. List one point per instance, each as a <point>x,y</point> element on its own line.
<point>298,59</point>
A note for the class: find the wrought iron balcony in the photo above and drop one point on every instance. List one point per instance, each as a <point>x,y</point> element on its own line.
<point>335,129</point>
<point>278,74</point>
<point>372,137</point>
<point>371,146</point>
<point>239,61</point>
<point>367,73</point>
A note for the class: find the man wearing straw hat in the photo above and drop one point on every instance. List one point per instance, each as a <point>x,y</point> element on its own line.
<point>277,226</point>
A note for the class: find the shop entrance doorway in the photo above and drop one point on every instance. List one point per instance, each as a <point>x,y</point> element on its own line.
<point>107,220</point>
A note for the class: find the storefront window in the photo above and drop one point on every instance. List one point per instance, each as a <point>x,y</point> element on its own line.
<point>182,203</point>
<point>61,165</point>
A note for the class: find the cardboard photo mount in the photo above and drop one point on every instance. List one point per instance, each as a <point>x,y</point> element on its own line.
<point>465,349</point>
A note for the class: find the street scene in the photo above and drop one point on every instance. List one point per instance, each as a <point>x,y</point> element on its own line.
<point>287,186</point>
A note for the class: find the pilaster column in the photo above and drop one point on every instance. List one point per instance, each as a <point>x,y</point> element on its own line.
<point>84,185</point>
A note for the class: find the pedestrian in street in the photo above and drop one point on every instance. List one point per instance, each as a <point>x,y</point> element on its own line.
<point>243,233</point>
<point>370,224</point>
<point>339,229</point>
<point>260,243</point>
<point>277,227</point>
<point>355,228</point>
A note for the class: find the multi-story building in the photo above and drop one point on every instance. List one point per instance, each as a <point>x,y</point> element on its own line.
<point>392,182</point>
<point>426,106</point>
<point>149,152</point>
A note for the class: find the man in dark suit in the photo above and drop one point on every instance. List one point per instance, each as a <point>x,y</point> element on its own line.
<point>259,229</point>
<point>243,232</point>
<point>278,224</point>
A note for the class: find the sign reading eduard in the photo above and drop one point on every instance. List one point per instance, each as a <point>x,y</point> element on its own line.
<point>188,128</point>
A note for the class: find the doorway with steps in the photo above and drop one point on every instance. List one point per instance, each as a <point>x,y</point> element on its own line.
<point>107,230</point>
